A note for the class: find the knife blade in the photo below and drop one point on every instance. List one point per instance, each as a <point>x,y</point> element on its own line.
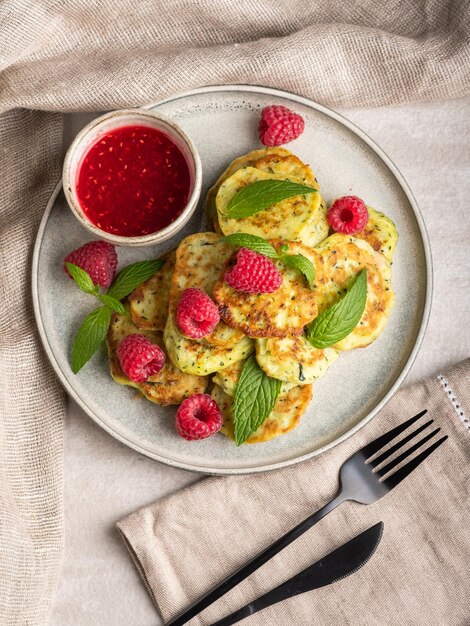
<point>342,562</point>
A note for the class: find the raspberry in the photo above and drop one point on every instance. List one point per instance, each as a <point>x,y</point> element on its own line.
<point>98,258</point>
<point>197,315</point>
<point>139,357</point>
<point>198,417</point>
<point>253,273</point>
<point>348,215</point>
<point>279,125</point>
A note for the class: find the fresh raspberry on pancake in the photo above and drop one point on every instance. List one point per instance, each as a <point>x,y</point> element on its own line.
<point>197,315</point>
<point>140,358</point>
<point>253,273</point>
<point>348,215</point>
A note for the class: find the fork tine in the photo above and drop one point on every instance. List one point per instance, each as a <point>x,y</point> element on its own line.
<point>406,470</point>
<point>380,442</point>
<point>384,470</point>
<point>398,445</point>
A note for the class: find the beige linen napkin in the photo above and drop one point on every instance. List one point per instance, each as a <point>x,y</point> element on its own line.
<point>186,543</point>
<point>101,54</point>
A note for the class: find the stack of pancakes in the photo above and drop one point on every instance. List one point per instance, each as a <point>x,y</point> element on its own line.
<point>271,325</point>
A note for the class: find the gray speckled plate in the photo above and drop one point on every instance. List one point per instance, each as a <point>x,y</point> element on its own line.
<point>222,121</point>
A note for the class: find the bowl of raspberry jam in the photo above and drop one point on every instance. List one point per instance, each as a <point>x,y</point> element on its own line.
<point>132,177</point>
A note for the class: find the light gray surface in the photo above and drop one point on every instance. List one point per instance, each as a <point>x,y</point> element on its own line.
<point>104,480</point>
<point>222,123</point>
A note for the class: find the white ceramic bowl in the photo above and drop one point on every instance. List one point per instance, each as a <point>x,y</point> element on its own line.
<point>90,134</point>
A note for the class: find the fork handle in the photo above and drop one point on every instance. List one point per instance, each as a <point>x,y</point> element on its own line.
<point>257,562</point>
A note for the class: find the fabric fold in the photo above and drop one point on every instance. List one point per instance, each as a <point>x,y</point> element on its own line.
<point>99,55</point>
<point>32,403</point>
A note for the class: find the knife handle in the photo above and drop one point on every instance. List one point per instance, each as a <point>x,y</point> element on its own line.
<point>245,611</point>
<point>257,562</point>
<point>278,594</point>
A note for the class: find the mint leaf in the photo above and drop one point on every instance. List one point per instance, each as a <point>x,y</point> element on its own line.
<point>132,276</point>
<point>301,263</point>
<point>89,337</point>
<point>255,397</point>
<point>258,244</point>
<point>262,194</point>
<point>112,303</point>
<point>82,278</point>
<point>95,326</point>
<point>341,319</point>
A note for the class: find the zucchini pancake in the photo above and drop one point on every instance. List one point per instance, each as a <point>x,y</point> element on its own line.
<point>267,326</point>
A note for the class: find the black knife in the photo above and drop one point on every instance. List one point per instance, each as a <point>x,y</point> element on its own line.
<point>340,563</point>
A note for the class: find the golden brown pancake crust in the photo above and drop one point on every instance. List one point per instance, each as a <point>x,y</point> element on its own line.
<point>200,260</point>
<point>170,385</point>
<point>341,258</point>
<point>149,302</point>
<point>280,314</point>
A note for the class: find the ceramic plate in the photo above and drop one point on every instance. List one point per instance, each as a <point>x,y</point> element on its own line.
<point>222,121</point>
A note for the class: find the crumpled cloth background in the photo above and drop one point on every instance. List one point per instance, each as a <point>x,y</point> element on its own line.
<point>63,56</point>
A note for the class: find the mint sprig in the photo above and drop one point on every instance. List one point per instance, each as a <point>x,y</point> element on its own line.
<point>299,262</point>
<point>337,322</point>
<point>112,303</point>
<point>262,194</point>
<point>82,279</point>
<point>95,326</point>
<point>132,276</point>
<point>252,242</point>
<point>255,397</point>
<point>89,337</point>
<point>260,245</point>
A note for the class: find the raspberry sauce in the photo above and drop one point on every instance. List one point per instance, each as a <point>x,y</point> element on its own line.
<point>133,181</point>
